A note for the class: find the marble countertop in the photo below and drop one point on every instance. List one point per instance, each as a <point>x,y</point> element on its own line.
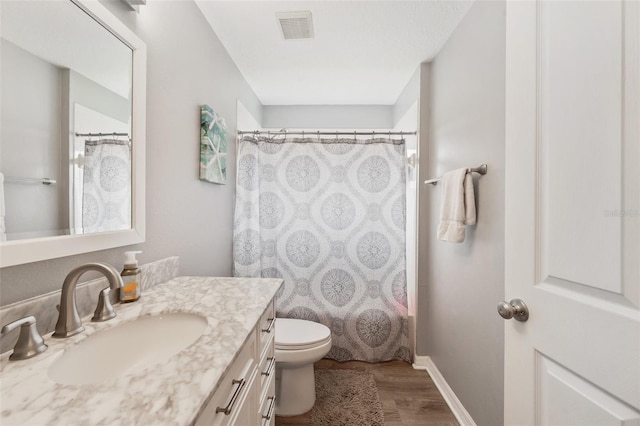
<point>169,393</point>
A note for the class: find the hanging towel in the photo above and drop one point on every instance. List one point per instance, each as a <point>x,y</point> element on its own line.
<point>3,235</point>
<point>458,205</point>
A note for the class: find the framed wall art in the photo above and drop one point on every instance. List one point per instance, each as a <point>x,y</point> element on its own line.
<point>213,146</point>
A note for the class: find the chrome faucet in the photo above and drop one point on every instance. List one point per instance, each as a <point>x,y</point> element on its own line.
<point>69,322</point>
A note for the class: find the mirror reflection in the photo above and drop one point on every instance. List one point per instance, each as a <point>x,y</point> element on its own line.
<point>65,147</point>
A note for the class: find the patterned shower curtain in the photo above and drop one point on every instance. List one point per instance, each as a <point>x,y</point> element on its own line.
<point>328,216</point>
<point>106,195</point>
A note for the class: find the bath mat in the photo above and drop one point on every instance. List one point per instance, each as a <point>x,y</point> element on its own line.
<point>346,398</point>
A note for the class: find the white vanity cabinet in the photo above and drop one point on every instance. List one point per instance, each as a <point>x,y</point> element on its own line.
<point>246,395</point>
<point>265,331</point>
<point>230,365</point>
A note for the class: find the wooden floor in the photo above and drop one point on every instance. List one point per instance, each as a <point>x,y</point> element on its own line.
<point>408,396</point>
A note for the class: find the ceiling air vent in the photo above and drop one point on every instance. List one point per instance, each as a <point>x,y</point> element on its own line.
<point>295,25</point>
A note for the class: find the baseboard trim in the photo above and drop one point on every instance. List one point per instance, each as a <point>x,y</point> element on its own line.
<point>458,410</point>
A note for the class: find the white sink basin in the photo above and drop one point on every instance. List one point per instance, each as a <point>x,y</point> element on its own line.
<point>127,347</point>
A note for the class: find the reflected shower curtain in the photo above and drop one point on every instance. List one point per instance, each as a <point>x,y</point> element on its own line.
<point>106,195</point>
<point>328,216</point>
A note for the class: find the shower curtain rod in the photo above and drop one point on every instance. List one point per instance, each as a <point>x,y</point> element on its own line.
<point>102,134</point>
<point>319,133</point>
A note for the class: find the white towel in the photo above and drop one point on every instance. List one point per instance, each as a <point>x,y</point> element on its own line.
<point>458,205</point>
<point>3,235</point>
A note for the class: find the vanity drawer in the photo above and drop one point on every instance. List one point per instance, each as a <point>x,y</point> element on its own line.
<point>233,390</point>
<point>268,403</point>
<point>267,367</point>
<point>267,327</point>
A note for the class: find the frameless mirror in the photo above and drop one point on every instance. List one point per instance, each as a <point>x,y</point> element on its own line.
<point>72,130</point>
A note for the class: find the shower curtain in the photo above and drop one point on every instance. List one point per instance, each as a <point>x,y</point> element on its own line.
<point>328,216</point>
<point>106,195</point>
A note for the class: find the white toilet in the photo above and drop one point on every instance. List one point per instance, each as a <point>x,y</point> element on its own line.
<point>298,344</point>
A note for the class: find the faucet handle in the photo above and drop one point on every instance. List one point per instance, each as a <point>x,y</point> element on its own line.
<point>104,311</point>
<point>30,342</point>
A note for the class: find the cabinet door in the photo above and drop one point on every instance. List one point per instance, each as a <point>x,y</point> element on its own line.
<point>266,328</point>
<point>248,408</point>
<point>232,393</point>
<point>267,414</point>
<point>267,366</point>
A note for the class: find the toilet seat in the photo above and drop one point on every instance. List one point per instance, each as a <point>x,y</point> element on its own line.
<point>295,334</point>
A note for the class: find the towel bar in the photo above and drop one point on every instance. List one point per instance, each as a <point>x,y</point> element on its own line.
<point>482,169</point>
<point>44,181</point>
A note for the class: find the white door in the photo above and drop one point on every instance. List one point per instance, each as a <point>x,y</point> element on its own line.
<point>573,212</point>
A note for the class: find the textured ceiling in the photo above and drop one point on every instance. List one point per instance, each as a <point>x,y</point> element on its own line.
<point>363,52</point>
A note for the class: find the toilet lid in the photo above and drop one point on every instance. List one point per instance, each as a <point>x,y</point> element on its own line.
<point>298,333</point>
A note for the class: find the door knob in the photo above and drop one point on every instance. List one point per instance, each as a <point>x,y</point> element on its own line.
<point>515,309</point>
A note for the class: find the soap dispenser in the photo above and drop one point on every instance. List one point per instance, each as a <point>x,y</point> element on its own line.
<point>130,291</point>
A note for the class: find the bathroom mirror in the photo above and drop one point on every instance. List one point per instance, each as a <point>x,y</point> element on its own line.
<point>72,148</point>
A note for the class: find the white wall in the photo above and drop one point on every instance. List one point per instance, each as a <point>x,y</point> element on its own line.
<point>327,117</point>
<point>406,117</point>
<point>407,99</point>
<point>245,119</point>
<point>460,284</point>
<point>31,132</point>
<point>409,123</point>
<point>187,67</point>
<point>92,95</point>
